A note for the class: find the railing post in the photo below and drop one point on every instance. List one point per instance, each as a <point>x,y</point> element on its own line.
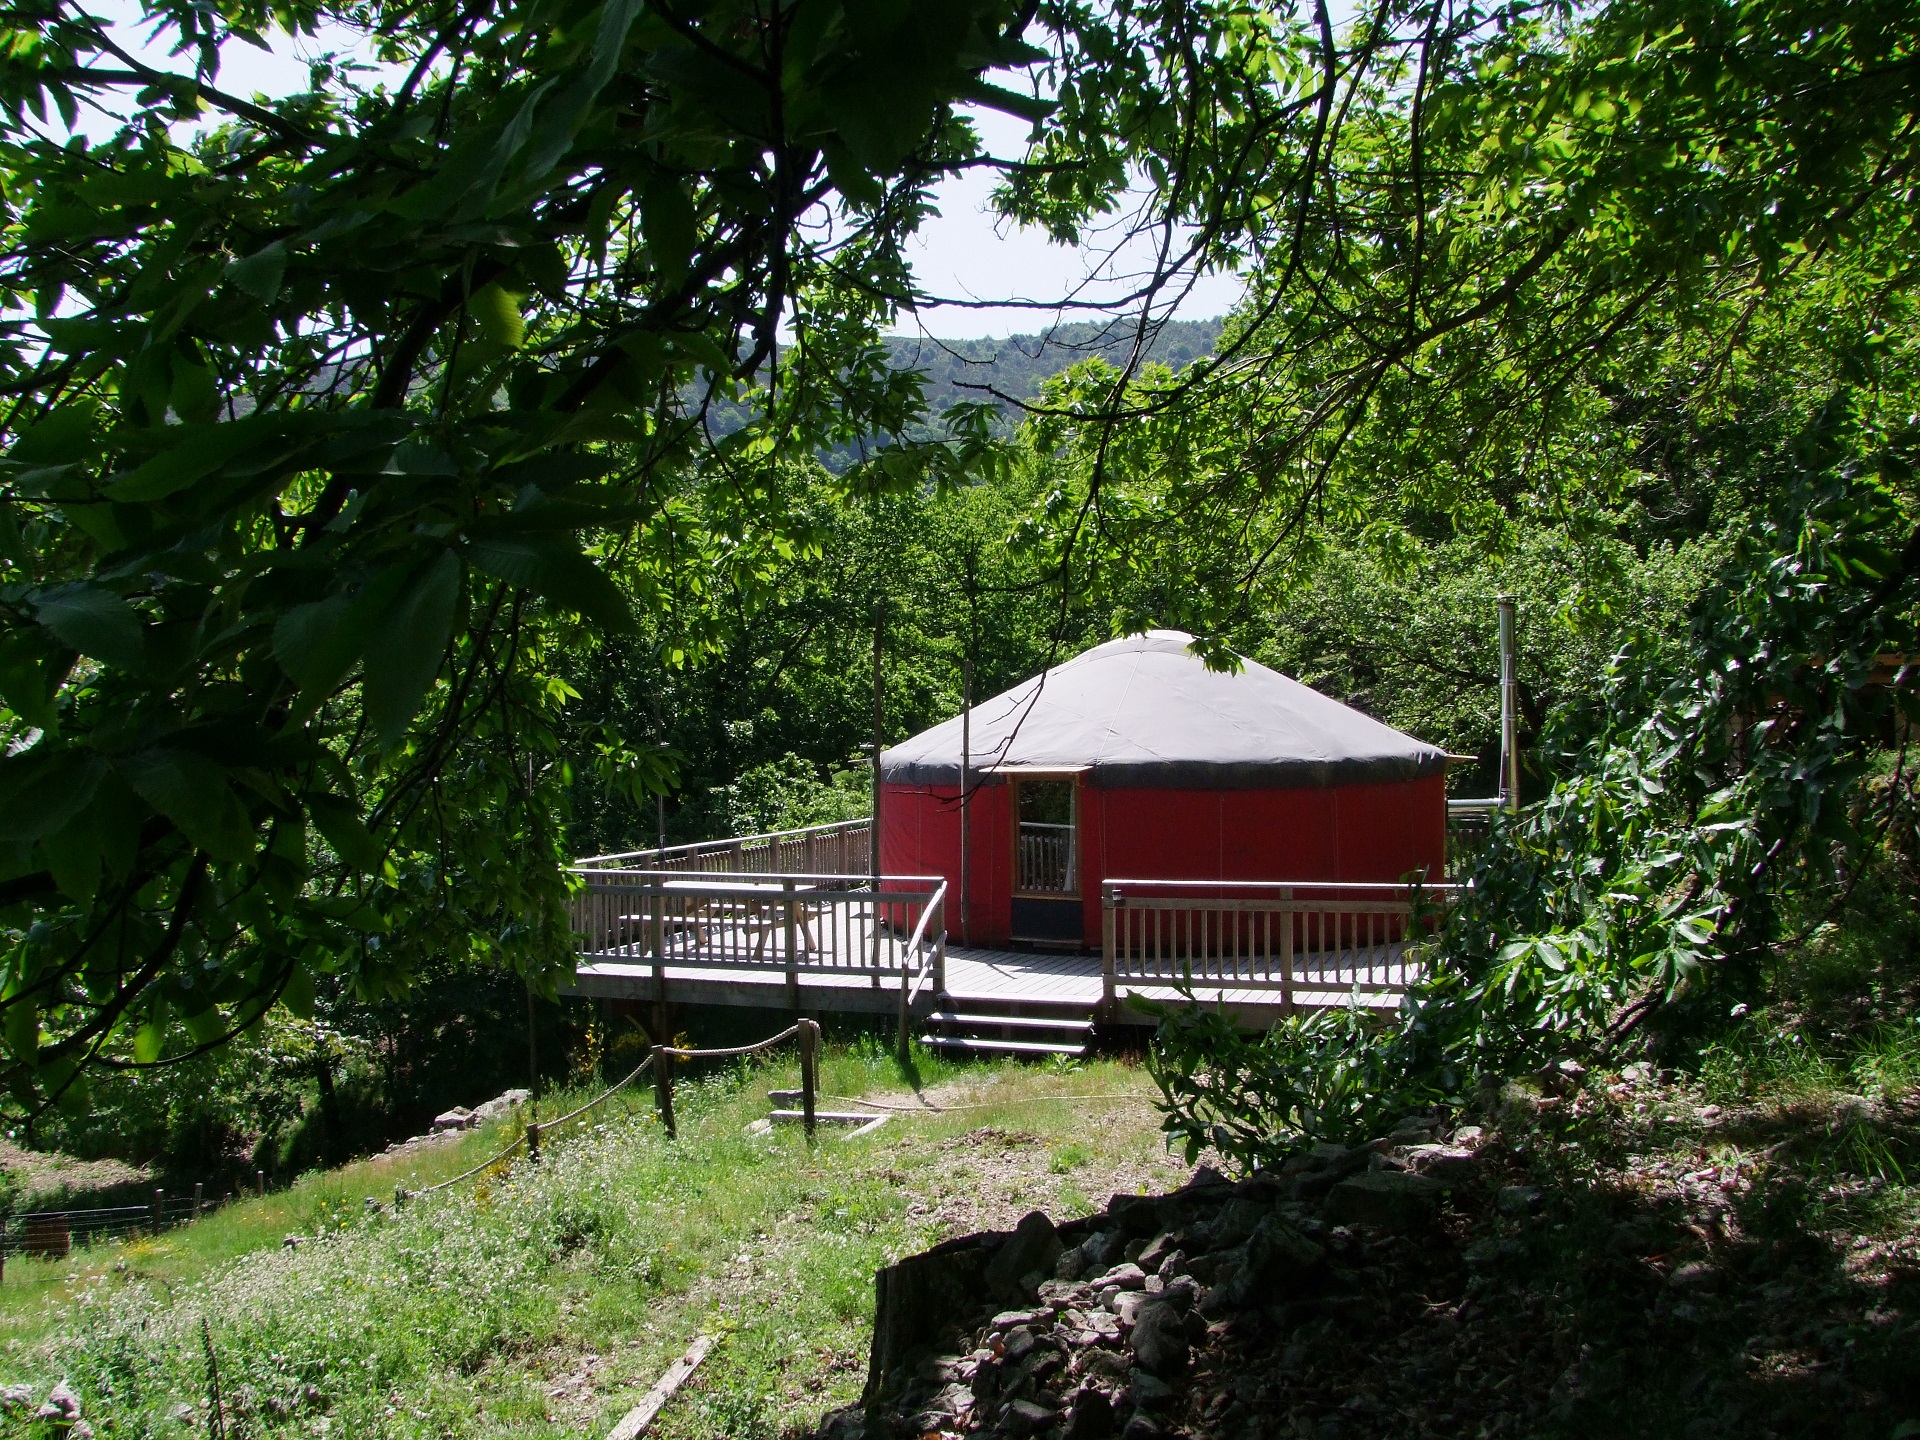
<point>663,1089</point>
<point>1286,950</point>
<point>533,1143</point>
<point>1109,899</point>
<point>198,1187</point>
<point>159,1210</point>
<point>940,950</point>
<point>809,1044</point>
<point>793,952</point>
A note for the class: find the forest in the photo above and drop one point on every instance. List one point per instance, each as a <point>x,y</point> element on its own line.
<point>516,446</point>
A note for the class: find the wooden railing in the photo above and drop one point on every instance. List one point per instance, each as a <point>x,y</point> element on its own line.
<point>836,925</point>
<point>1046,859</point>
<point>1320,939</point>
<point>839,849</point>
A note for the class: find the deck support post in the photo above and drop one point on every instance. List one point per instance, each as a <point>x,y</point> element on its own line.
<point>663,1089</point>
<point>809,1078</point>
<point>1109,899</point>
<point>790,939</point>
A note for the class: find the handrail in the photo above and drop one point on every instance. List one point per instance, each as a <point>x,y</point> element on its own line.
<point>730,842</point>
<point>1109,886</point>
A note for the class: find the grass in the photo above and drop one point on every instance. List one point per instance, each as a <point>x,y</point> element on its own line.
<point>542,1301</point>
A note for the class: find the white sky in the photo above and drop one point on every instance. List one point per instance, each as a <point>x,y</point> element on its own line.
<point>967,253</point>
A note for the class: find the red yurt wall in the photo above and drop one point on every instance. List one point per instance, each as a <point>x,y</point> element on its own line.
<point>1375,832</point>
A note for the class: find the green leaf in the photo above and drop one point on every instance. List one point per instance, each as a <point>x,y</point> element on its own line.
<point>315,646</point>
<point>497,314</point>
<point>408,646</point>
<point>260,273</point>
<point>95,621</point>
<point>553,568</point>
<point>43,788</point>
<point>196,795</point>
<point>64,436</point>
<point>668,224</point>
<point>339,822</point>
<point>297,995</point>
<point>30,677</point>
<point>149,1040</point>
<point>1008,102</point>
<point>196,450</point>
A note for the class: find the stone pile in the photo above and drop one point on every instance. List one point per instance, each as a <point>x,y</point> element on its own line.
<point>1088,1330</point>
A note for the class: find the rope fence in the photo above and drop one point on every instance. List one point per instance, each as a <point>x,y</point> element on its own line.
<point>54,1233</point>
<point>659,1061</point>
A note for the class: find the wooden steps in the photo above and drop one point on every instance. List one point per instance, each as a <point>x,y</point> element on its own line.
<point>979,1030</point>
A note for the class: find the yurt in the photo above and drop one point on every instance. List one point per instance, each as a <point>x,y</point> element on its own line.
<point>1135,761</point>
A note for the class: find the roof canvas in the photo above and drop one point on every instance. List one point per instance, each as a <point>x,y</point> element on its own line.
<point>1144,711</point>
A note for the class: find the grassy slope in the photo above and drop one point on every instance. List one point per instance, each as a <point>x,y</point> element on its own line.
<point>543,1302</point>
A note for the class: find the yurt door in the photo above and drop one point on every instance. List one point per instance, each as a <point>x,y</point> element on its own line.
<point>1046,862</point>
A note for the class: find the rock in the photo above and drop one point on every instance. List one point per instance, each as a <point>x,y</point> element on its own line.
<point>1235,1223</point>
<point>1562,1077</point>
<point>1148,1388</point>
<point>500,1105</point>
<point>1469,1136</point>
<point>1101,1249</point>
<point>1694,1275</point>
<point>1058,1294</point>
<point>1449,1164</point>
<point>1128,1276</point>
<point>762,1126</point>
<point>1172,1265</point>
<point>1159,1340</point>
<point>458,1118</point>
<point>1412,1130</point>
<point>1387,1199</point>
<point>1514,1201</point>
<point>1141,1427</point>
<point>1127,1304</point>
<point>1278,1259</point>
<point>1024,1417</point>
<point>915,1299</point>
<point>15,1397</point>
<point>1034,1245</point>
<point>61,1406</point>
<point>1089,1416</point>
<point>1204,1177</point>
<point>1155,1251</point>
<point>1007,1319</point>
<point>1072,1263</point>
<point>1482,1254</point>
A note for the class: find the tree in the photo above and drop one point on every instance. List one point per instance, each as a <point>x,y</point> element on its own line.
<point>324,415</point>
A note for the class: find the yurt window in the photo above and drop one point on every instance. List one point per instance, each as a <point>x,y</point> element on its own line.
<point>1045,857</point>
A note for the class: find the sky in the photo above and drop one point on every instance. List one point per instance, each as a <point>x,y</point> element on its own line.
<point>966,253</point>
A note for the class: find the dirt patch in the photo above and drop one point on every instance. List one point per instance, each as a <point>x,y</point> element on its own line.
<point>48,1178</point>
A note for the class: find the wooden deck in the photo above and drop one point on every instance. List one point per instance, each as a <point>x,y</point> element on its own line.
<point>1007,981</point>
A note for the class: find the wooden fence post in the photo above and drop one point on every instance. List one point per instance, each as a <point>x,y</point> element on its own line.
<point>809,1045</point>
<point>199,1201</point>
<point>159,1210</point>
<point>533,1143</point>
<point>663,1089</point>
<point>260,1184</point>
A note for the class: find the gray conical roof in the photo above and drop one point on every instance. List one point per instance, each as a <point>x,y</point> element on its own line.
<point>1145,711</point>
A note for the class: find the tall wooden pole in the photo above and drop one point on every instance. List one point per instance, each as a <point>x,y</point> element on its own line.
<point>1509,705</point>
<point>966,789</point>
<point>879,722</point>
